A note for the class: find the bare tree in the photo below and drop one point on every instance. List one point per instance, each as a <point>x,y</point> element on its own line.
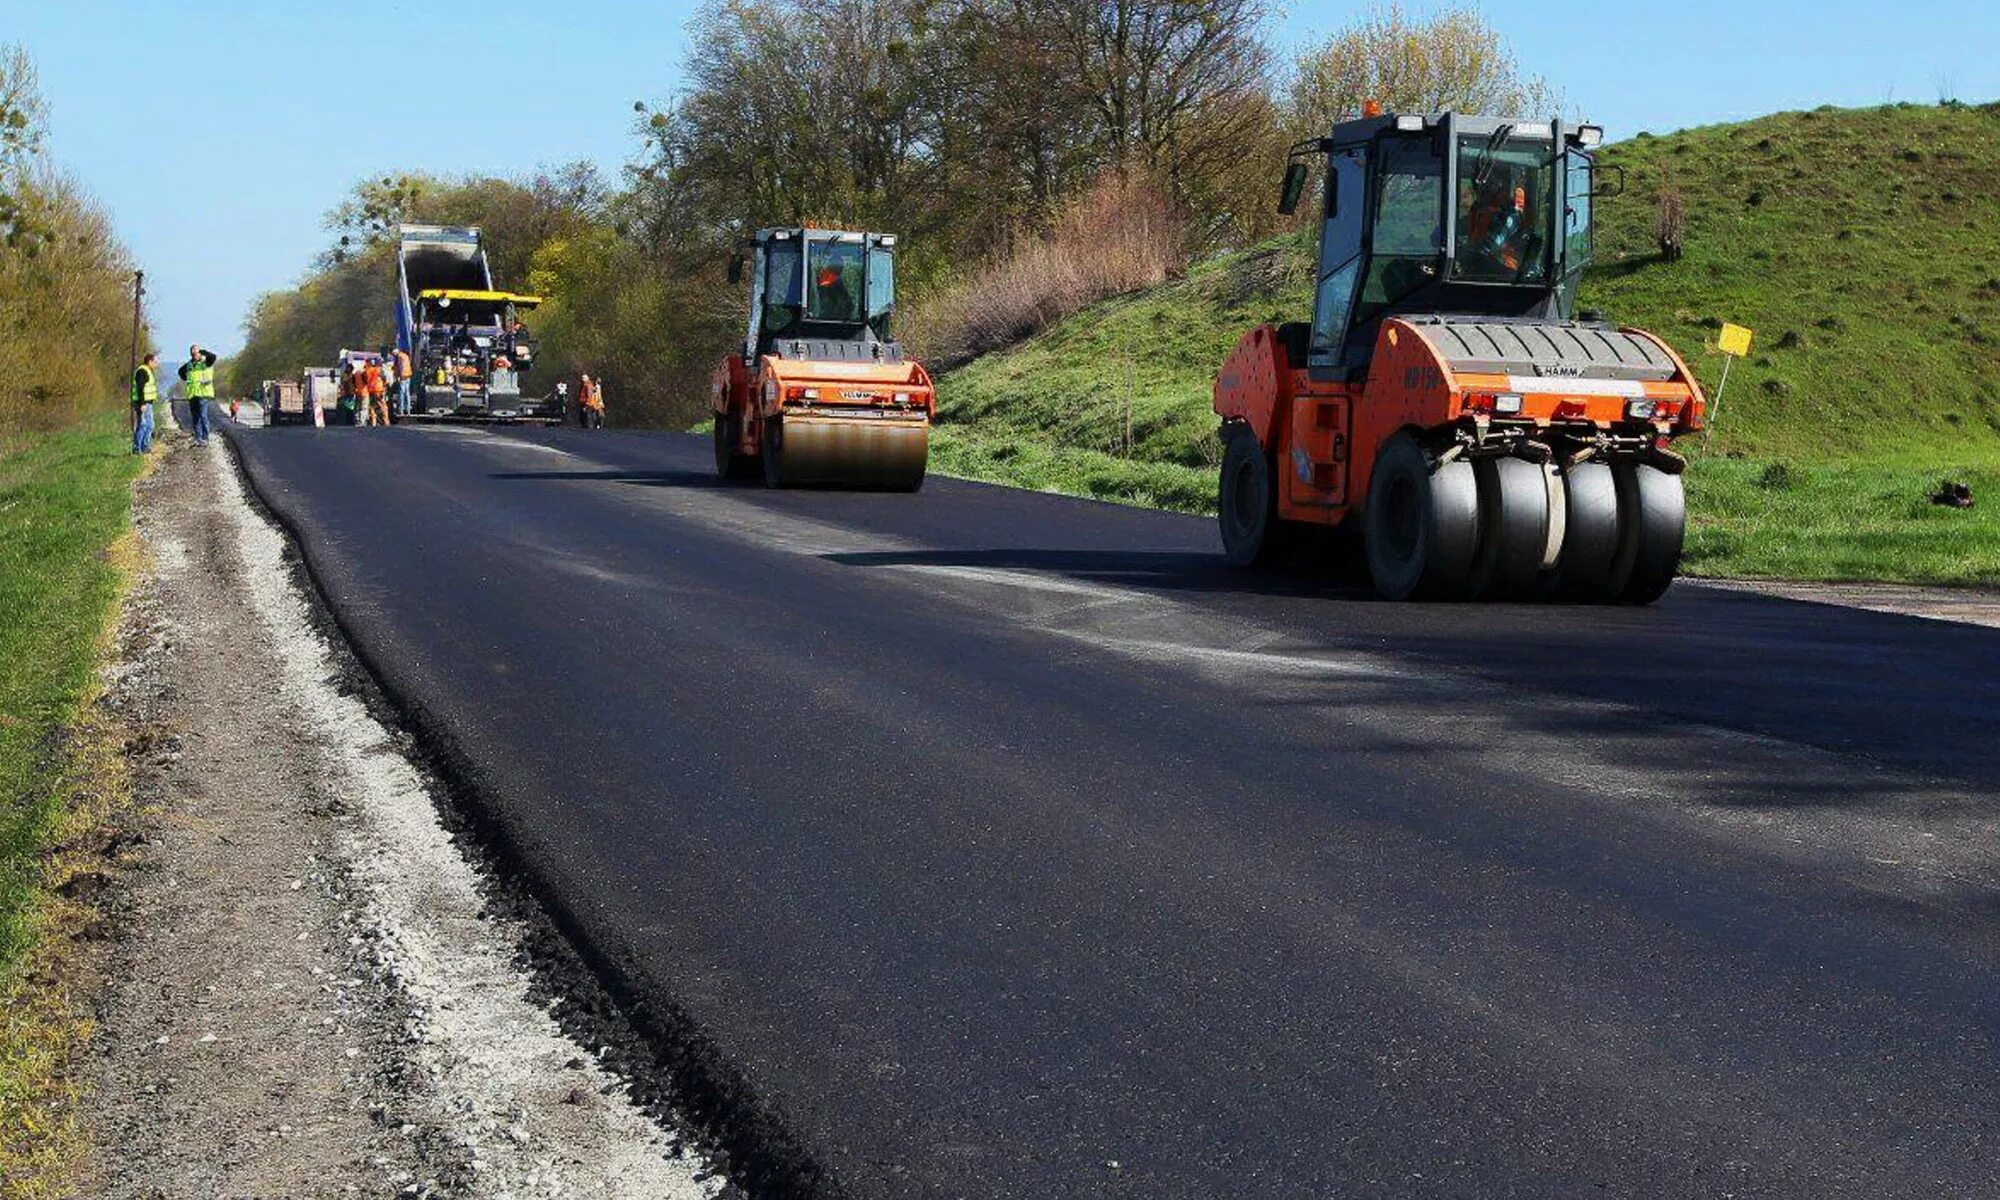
<point>1173,83</point>
<point>1670,222</point>
<point>22,110</point>
<point>1454,60</point>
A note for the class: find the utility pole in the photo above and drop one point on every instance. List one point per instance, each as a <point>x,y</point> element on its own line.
<point>132,369</point>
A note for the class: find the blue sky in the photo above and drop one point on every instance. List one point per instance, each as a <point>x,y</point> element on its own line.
<point>219,132</point>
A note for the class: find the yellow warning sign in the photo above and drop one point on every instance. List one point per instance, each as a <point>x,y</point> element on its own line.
<point>1733,340</point>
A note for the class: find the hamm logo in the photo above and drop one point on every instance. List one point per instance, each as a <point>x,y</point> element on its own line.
<point>1559,370</point>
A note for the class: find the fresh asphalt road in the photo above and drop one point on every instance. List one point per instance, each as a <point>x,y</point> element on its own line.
<point>1007,845</point>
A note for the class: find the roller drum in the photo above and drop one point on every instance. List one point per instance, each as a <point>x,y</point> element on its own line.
<point>879,453</point>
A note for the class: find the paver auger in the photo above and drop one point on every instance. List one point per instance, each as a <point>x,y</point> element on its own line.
<point>821,393</point>
<point>1444,401</point>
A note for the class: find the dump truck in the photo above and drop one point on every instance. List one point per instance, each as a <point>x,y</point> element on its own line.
<point>284,402</point>
<point>470,351</point>
<point>1446,402</point>
<point>322,391</point>
<point>820,391</point>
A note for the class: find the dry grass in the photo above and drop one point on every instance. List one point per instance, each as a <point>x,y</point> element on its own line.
<point>1123,234</point>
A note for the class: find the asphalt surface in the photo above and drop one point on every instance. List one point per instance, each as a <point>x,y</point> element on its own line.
<point>1007,845</point>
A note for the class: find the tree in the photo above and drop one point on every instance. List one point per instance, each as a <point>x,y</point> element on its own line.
<point>22,117</point>
<point>1454,60</point>
<point>64,303</point>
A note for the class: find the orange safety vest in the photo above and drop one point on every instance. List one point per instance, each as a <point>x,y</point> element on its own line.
<point>592,397</point>
<point>1484,222</point>
<point>371,382</point>
<point>402,365</point>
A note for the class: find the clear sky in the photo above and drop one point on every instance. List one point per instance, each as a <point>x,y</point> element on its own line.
<point>219,132</point>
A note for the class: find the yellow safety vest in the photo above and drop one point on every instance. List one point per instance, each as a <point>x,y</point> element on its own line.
<point>200,381</point>
<point>145,390</point>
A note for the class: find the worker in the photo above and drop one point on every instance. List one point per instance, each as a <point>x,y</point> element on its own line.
<point>198,387</point>
<point>1497,225</point>
<point>836,303</point>
<point>376,389</point>
<point>145,394</point>
<point>401,360</point>
<point>348,404</point>
<point>562,398</point>
<point>589,404</point>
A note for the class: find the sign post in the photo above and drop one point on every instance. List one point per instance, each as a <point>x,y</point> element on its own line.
<point>1734,342</point>
<point>132,369</point>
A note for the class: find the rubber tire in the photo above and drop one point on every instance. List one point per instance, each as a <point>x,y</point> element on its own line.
<point>1420,527</point>
<point>1589,570</point>
<point>728,463</point>
<point>1246,505</point>
<point>1654,506</point>
<point>1513,528</point>
<point>773,444</point>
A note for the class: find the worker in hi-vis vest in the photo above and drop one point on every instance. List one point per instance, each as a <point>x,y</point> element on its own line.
<point>145,394</point>
<point>198,387</point>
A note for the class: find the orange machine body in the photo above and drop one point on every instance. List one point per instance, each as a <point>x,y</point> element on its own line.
<point>780,387</point>
<point>1323,434</point>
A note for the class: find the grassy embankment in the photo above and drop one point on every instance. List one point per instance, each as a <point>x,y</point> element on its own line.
<point>1859,244</point>
<point>64,532</point>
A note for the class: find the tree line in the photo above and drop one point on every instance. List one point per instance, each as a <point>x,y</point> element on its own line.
<point>977,129</point>
<point>65,306</point>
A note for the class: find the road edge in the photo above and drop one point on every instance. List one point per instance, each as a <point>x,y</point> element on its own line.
<point>673,1069</point>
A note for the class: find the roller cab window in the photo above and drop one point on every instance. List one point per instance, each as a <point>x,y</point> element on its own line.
<point>1408,225</point>
<point>834,282</point>
<point>1506,209</point>
<point>783,298</point>
<point>881,289</point>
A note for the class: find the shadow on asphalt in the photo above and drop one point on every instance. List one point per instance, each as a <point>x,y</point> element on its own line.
<point>1160,571</point>
<point>694,479</point>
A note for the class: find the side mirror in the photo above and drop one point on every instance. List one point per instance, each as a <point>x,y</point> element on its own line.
<point>736,269</point>
<point>1295,185</point>
<point>1613,186</point>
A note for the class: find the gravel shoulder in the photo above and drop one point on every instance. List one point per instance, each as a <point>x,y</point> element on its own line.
<point>1965,605</point>
<point>308,993</point>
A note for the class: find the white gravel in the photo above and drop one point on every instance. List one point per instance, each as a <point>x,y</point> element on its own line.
<point>501,1084</point>
<point>306,993</point>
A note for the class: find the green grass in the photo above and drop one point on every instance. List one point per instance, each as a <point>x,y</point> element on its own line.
<point>1150,356</point>
<point>1859,245</point>
<point>1841,520</point>
<point>1025,463</point>
<point>64,501</point>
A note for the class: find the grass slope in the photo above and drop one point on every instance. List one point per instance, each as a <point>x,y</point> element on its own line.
<point>1859,244</point>
<point>64,547</point>
<point>63,501</point>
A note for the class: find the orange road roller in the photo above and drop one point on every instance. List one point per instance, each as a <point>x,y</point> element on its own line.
<point>820,392</point>
<point>1446,401</point>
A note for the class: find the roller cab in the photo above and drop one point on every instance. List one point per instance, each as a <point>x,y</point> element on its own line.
<point>1446,401</point>
<point>820,393</point>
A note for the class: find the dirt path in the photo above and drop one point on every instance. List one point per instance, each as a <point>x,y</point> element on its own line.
<point>308,996</point>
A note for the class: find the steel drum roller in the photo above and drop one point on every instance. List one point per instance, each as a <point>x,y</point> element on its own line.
<point>859,452</point>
